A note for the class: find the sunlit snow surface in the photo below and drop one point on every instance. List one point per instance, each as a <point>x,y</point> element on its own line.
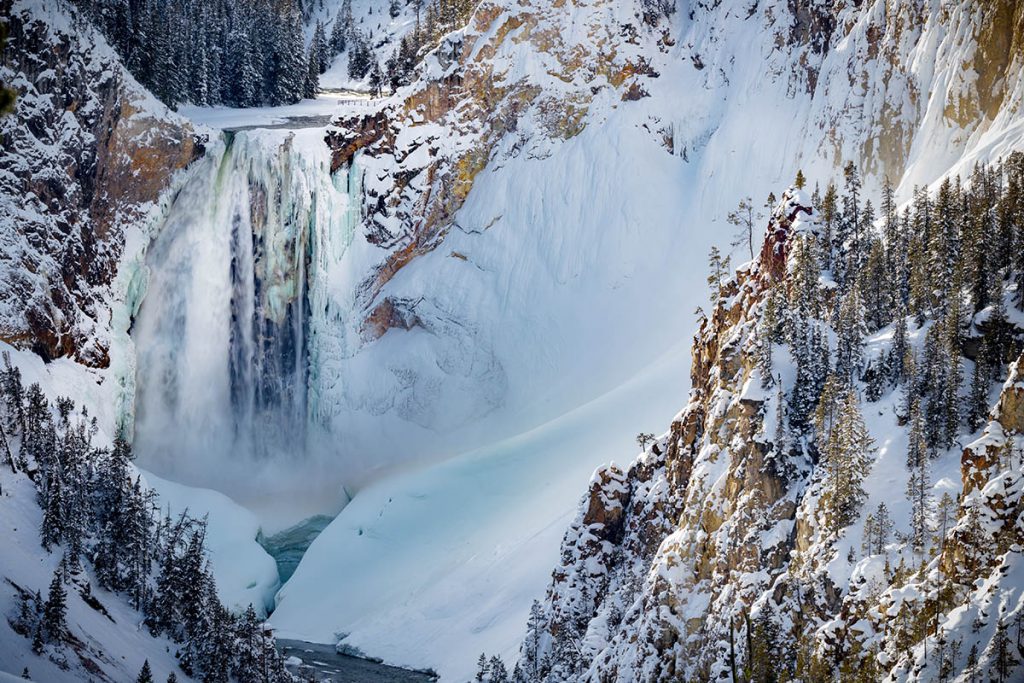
<point>584,261</point>
<point>583,266</point>
<point>429,566</point>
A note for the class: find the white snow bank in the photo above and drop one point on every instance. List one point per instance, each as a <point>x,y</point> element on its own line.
<point>326,104</point>
<point>244,572</point>
<point>431,566</point>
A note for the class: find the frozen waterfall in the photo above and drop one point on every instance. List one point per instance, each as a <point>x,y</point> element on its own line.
<point>224,335</point>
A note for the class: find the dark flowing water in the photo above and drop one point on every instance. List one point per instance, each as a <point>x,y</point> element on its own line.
<point>323,663</point>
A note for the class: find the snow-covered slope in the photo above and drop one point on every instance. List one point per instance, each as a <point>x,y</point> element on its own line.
<point>372,19</point>
<point>109,641</point>
<point>547,203</point>
<point>517,233</point>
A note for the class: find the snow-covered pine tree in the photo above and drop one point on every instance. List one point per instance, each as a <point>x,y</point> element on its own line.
<point>829,226</point>
<point>918,485</point>
<point>55,609</point>
<point>311,84</point>
<point>341,29</point>
<point>875,287</point>
<point>718,271</point>
<point>850,335</point>
<point>359,56</point>
<point>846,461</point>
<point>244,82</point>
<point>289,70</point>
<point>322,48</point>
<point>376,79</point>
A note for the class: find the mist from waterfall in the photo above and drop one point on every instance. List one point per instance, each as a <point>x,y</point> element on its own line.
<point>223,340</point>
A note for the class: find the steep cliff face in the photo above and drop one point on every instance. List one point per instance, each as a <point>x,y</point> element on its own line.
<point>716,552</point>
<point>532,97</point>
<point>704,518</point>
<point>86,154</point>
<point>881,83</point>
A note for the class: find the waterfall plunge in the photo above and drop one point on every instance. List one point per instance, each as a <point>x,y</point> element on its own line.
<point>224,338</point>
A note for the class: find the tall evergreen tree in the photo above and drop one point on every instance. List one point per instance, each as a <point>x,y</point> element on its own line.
<point>56,608</point>
<point>918,485</point>
<point>846,460</point>
<point>312,82</point>
<point>322,48</point>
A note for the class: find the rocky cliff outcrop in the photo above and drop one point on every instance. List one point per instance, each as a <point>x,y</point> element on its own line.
<point>715,546</point>
<point>86,154</point>
<point>879,82</point>
<point>702,521</point>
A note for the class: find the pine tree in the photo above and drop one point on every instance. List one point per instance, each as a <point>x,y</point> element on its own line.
<point>1002,660</point>
<point>918,485</point>
<point>804,279</point>
<point>810,351</point>
<point>244,79</point>
<point>846,461</point>
<point>766,663</point>
<point>945,519</point>
<point>342,28</point>
<point>359,56</point>
<point>878,527</point>
<point>55,609</point>
<point>322,48</point>
<point>289,71</point>
<point>850,342</point>
<point>977,410</point>
<point>145,675</point>
<point>499,673</point>
<point>249,649</point>
<point>898,355</point>
<point>53,513</point>
<point>943,247</point>
<point>719,271</point>
<point>829,226</point>
<point>743,218</point>
<point>532,642</point>
<point>875,287</point>
<point>848,238</point>
<point>764,362</point>
<point>917,447</point>
<point>800,181</point>
<point>483,668</point>
<point>376,79</point>
<point>312,82</point>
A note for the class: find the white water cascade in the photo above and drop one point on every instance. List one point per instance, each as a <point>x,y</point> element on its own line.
<point>224,339</point>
